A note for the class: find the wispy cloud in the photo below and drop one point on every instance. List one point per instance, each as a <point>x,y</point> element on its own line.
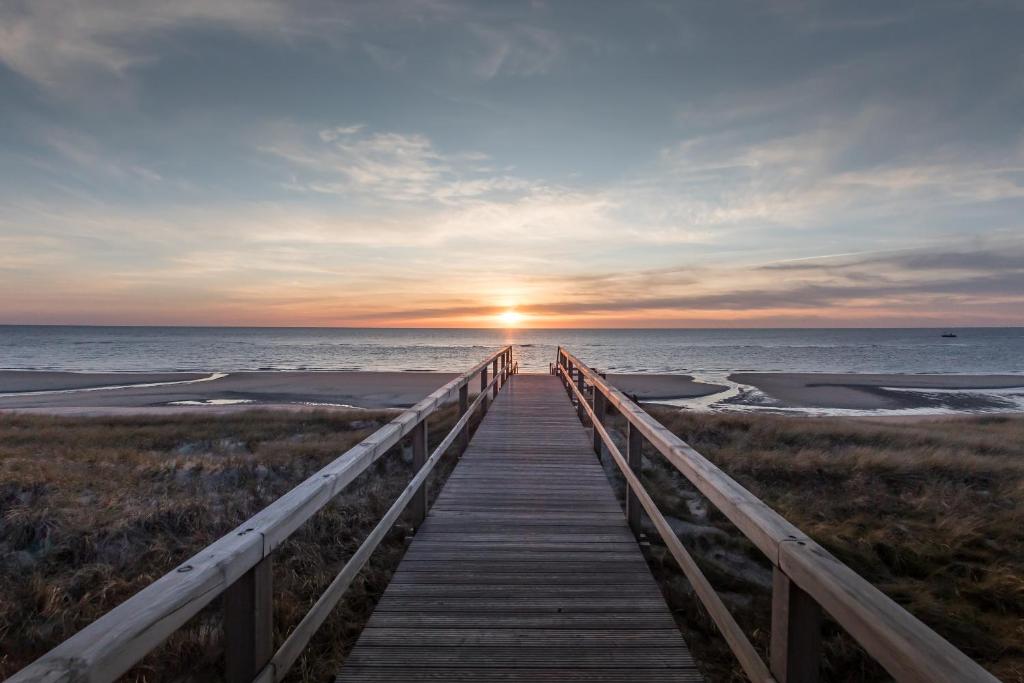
<point>55,43</point>
<point>392,166</point>
<point>516,50</point>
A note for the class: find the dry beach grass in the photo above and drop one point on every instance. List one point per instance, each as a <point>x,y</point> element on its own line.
<point>94,509</point>
<point>930,512</point>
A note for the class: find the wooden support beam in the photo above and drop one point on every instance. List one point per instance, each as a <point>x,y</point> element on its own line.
<point>463,407</point>
<point>494,390</point>
<point>634,456</point>
<point>796,632</point>
<point>249,623</point>
<point>418,505</point>
<point>599,406</point>
<point>483,390</point>
<point>581,383</point>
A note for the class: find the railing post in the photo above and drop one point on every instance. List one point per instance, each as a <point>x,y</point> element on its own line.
<point>581,384</point>
<point>418,505</point>
<point>483,390</point>
<point>494,389</point>
<point>249,623</point>
<point>796,632</point>
<point>463,407</point>
<point>634,457</point>
<point>599,410</point>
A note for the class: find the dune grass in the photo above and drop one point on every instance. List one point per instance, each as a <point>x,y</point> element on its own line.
<point>94,509</point>
<point>931,512</point>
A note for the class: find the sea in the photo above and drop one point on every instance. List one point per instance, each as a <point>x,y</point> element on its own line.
<point>701,352</point>
<point>710,355</point>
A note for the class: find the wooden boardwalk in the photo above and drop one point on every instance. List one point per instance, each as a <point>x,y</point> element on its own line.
<point>525,569</point>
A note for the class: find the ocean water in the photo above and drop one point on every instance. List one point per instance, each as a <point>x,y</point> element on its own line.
<point>707,354</point>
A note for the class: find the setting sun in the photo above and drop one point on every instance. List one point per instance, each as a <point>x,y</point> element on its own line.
<point>510,318</point>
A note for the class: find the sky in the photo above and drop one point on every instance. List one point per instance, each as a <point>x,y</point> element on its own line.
<point>775,163</point>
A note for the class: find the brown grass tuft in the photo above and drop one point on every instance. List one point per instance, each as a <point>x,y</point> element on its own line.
<point>94,509</point>
<point>930,512</point>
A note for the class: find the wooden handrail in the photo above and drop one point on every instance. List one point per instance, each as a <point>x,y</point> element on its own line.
<point>751,662</point>
<point>806,575</point>
<point>296,642</point>
<point>108,647</point>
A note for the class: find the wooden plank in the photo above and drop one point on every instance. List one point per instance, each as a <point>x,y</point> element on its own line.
<point>505,637</point>
<point>575,655</point>
<point>634,455</point>
<point>796,632</point>
<point>525,568</point>
<point>625,621</point>
<point>249,623</point>
<point>418,505</point>
<point>373,674</point>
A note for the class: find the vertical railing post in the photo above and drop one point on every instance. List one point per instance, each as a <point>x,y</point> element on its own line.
<point>581,384</point>
<point>249,623</point>
<point>418,504</point>
<point>796,632</point>
<point>483,390</point>
<point>463,407</point>
<point>634,457</point>
<point>494,389</point>
<point>599,410</point>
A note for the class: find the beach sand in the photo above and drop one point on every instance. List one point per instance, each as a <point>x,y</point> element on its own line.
<point>874,392</point>
<point>31,380</point>
<point>660,387</point>
<point>265,389</point>
<point>69,393</point>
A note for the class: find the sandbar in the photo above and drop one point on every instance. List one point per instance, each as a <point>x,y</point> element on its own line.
<point>662,387</point>
<point>875,391</point>
<point>257,389</point>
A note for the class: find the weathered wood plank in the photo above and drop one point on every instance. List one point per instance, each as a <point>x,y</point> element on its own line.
<point>525,568</point>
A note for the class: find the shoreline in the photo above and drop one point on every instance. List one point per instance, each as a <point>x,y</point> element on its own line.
<point>873,392</point>
<point>836,394</point>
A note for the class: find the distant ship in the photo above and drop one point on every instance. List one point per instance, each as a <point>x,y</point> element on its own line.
<point>948,334</point>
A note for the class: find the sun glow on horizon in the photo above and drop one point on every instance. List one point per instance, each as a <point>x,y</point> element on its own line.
<point>510,318</point>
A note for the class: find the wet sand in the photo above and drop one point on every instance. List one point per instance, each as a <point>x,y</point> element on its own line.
<point>661,387</point>
<point>70,393</point>
<point>83,393</point>
<point>875,392</point>
<point>29,380</point>
<point>362,389</point>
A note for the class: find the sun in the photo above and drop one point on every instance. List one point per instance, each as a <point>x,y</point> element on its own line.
<point>510,318</point>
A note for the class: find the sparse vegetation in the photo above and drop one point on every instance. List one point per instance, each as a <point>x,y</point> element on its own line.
<point>94,509</point>
<point>930,512</point>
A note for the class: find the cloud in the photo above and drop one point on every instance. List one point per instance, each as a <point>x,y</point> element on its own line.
<point>87,154</point>
<point>56,43</point>
<point>350,160</point>
<point>516,50</point>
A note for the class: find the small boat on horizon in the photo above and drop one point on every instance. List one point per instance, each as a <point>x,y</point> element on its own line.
<point>948,334</point>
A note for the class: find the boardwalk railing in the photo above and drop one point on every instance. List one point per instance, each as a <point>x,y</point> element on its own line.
<point>238,565</point>
<point>807,579</point>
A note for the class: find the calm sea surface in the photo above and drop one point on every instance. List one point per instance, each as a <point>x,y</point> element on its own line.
<point>705,353</point>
